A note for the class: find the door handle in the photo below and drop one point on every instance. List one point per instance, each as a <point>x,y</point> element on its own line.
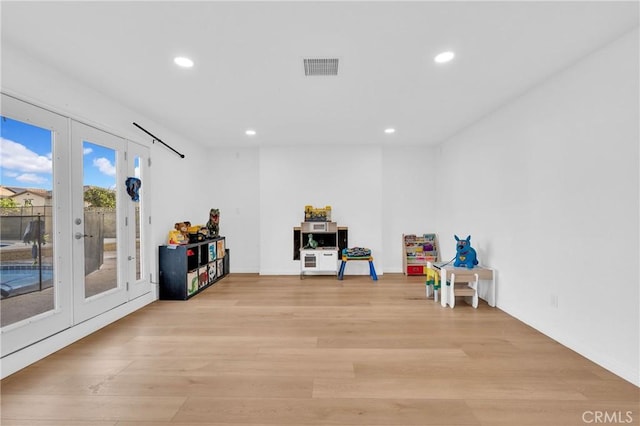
<point>80,235</point>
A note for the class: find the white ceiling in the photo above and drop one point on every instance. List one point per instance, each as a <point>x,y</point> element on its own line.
<point>249,71</point>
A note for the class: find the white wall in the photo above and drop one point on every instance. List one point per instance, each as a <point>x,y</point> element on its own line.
<point>409,198</point>
<point>548,188</point>
<point>347,178</point>
<point>233,187</point>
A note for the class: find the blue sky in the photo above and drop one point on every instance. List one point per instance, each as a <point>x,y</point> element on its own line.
<point>26,160</point>
<point>99,166</point>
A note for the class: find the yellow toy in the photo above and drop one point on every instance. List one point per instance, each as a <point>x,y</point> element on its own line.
<point>312,214</point>
<point>176,237</point>
<point>180,233</point>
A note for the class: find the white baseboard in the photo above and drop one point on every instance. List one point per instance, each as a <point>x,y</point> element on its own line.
<point>630,373</point>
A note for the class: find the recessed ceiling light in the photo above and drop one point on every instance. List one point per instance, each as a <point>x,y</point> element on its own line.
<point>250,132</point>
<point>183,62</point>
<point>390,130</point>
<point>443,57</point>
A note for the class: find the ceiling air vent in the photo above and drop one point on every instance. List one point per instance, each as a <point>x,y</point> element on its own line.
<point>320,66</point>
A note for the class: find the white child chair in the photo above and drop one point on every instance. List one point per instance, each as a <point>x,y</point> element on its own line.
<point>465,285</point>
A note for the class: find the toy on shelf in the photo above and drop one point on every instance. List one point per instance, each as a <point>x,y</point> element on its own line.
<point>356,252</point>
<point>312,244</point>
<point>312,214</point>
<point>213,225</point>
<point>197,233</point>
<point>183,227</point>
<point>465,254</point>
<point>180,233</point>
<point>175,237</point>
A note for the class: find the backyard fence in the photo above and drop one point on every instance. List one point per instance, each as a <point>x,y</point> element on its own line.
<point>15,220</point>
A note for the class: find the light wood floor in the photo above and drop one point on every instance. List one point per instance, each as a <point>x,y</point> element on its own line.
<point>283,351</point>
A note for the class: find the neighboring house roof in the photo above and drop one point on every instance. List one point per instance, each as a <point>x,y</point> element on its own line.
<point>16,192</point>
<point>16,189</point>
<point>5,191</point>
<point>43,193</point>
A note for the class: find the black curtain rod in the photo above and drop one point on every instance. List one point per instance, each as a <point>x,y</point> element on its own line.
<point>155,138</point>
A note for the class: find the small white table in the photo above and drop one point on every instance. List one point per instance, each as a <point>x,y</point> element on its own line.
<point>450,274</point>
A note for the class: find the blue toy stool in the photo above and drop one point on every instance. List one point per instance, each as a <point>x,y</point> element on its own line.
<point>357,253</point>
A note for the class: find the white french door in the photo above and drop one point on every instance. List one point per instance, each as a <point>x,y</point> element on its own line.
<point>100,246</point>
<point>99,240</point>
<point>110,227</point>
<point>75,244</point>
<point>137,223</point>
<point>35,269</point>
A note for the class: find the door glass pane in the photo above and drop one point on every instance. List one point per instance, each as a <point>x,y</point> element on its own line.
<point>26,222</point>
<point>136,164</point>
<point>100,224</point>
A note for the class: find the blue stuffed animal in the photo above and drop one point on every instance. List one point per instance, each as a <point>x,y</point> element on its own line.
<point>465,254</point>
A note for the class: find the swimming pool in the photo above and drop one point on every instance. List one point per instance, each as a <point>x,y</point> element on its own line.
<point>21,279</point>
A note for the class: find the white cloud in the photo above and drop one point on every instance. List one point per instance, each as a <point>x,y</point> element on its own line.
<point>105,166</point>
<point>31,178</point>
<point>87,151</point>
<point>15,156</point>
<point>10,174</point>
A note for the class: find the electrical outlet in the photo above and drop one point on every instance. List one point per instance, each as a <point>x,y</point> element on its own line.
<point>554,301</point>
